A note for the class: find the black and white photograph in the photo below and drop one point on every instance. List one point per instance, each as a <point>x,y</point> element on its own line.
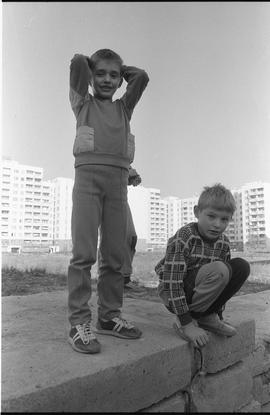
<point>135,207</point>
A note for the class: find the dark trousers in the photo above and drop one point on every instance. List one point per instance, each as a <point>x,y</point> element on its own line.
<point>99,201</point>
<point>208,292</point>
<point>239,270</point>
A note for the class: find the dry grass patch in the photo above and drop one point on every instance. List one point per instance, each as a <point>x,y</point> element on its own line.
<point>33,273</point>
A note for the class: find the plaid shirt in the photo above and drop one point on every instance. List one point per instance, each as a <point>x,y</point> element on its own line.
<point>186,252</point>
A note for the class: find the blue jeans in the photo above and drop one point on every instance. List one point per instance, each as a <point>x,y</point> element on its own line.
<point>99,200</point>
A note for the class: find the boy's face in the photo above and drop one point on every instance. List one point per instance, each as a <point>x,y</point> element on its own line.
<point>106,79</point>
<point>212,222</point>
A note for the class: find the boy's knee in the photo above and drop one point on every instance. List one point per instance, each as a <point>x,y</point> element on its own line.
<point>217,273</point>
<point>240,264</point>
<point>221,271</point>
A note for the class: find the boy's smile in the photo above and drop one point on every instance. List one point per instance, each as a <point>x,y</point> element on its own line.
<point>106,79</point>
<point>212,222</point>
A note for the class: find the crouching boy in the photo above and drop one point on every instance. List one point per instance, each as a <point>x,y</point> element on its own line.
<point>197,275</point>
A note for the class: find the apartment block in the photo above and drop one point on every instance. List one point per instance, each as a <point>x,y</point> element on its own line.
<point>36,214</point>
<point>157,219</point>
<point>173,214</point>
<point>256,215</point>
<point>26,207</point>
<point>62,208</point>
<point>149,214</point>
<point>234,230</point>
<point>187,210</point>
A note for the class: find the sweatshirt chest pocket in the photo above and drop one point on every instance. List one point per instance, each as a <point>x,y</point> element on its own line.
<point>84,140</point>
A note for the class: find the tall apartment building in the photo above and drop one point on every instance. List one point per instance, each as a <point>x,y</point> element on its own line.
<point>26,207</point>
<point>36,214</point>
<point>234,230</point>
<point>149,214</point>
<point>139,202</point>
<point>187,210</point>
<point>173,214</point>
<point>256,215</point>
<point>62,207</point>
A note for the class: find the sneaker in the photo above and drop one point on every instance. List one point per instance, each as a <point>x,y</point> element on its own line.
<point>214,324</point>
<point>118,327</point>
<point>83,340</point>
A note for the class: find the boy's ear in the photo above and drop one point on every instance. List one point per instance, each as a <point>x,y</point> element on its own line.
<point>196,211</point>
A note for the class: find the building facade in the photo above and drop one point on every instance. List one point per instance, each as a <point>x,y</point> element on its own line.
<point>234,230</point>
<point>256,215</point>
<point>149,213</point>
<point>62,208</point>
<point>187,210</point>
<point>26,208</point>
<point>173,214</point>
<point>36,214</point>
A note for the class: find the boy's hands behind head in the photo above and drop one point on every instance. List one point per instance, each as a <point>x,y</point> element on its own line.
<point>196,335</point>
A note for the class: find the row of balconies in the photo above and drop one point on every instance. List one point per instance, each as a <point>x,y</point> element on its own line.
<point>28,237</point>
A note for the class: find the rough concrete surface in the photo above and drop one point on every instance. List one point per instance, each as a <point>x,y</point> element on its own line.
<point>224,391</point>
<point>216,356</point>
<point>252,407</point>
<point>41,372</point>
<point>252,306</point>
<point>175,403</point>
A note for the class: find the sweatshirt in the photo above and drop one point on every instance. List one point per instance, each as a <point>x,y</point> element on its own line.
<point>186,252</point>
<point>103,133</point>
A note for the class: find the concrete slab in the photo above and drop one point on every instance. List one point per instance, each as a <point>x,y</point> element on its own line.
<point>41,372</point>
<point>225,391</point>
<point>252,407</point>
<point>258,361</point>
<point>252,306</point>
<point>222,352</point>
<point>175,403</point>
<point>261,388</point>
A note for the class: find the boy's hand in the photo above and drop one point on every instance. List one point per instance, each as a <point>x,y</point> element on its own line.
<point>196,335</point>
<point>133,177</point>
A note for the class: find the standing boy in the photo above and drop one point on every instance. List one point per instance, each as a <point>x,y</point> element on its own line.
<point>197,275</point>
<point>103,150</point>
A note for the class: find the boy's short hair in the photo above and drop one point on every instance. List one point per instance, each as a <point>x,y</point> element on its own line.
<point>218,197</point>
<point>105,54</point>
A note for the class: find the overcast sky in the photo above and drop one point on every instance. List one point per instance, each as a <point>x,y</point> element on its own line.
<point>205,115</point>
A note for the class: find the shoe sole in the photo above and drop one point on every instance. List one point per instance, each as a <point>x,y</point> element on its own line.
<point>116,334</point>
<point>216,330</point>
<point>74,347</point>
